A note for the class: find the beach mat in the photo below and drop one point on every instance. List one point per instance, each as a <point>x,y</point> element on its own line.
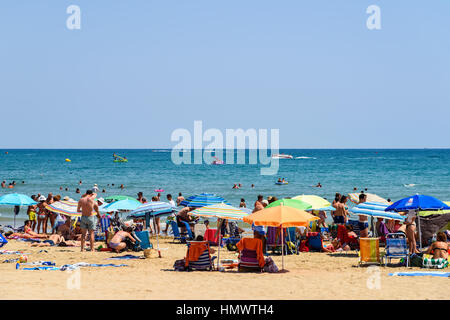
<point>421,274</point>
<point>12,252</point>
<point>125,257</point>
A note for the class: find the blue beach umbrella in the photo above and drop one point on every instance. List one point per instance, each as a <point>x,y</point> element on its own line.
<point>154,209</point>
<point>202,200</point>
<point>16,199</point>
<point>121,205</point>
<point>418,203</point>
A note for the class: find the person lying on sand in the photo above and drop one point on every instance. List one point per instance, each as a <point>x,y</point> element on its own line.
<point>29,234</point>
<point>57,240</point>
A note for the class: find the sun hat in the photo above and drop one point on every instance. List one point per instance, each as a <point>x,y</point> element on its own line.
<point>66,198</point>
<point>42,198</point>
<point>101,200</point>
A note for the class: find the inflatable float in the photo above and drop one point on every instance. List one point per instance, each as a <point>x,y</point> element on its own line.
<point>118,158</point>
<point>280,183</point>
<point>68,160</point>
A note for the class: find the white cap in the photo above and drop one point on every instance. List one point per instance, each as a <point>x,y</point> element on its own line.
<point>42,198</point>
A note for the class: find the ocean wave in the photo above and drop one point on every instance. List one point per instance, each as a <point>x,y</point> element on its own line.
<point>303,157</point>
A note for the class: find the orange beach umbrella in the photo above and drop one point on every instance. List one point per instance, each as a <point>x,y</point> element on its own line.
<point>280,216</point>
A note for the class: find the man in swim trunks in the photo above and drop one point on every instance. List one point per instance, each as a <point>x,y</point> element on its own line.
<point>87,205</point>
<point>180,198</point>
<point>363,223</point>
<point>341,212</point>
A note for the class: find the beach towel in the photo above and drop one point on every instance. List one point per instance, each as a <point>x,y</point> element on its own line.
<point>84,264</point>
<point>435,263</point>
<point>11,252</point>
<point>255,245</point>
<point>420,274</point>
<point>125,257</point>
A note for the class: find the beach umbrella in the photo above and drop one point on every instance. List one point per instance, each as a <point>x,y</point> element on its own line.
<point>418,203</point>
<point>298,204</point>
<point>121,205</point>
<point>280,216</point>
<point>67,208</point>
<point>221,211</point>
<point>201,200</point>
<point>316,202</point>
<point>152,209</point>
<point>371,197</point>
<point>118,198</point>
<point>17,200</point>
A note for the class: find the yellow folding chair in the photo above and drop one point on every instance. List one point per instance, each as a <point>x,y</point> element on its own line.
<point>369,251</point>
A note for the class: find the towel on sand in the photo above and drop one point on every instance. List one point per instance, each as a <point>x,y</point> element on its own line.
<point>418,274</point>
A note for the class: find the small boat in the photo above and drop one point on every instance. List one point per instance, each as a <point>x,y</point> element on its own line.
<point>282,156</point>
<point>118,158</point>
<point>217,161</point>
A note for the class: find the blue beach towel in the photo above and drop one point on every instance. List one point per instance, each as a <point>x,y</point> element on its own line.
<point>125,257</point>
<point>419,274</point>
<point>3,240</point>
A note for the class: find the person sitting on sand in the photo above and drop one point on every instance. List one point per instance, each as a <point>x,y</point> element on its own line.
<point>182,215</point>
<point>65,230</point>
<point>439,247</point>
<point>29,231</point>
<point>118,243</point>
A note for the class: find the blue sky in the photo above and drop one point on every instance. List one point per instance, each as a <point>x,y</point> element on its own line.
<point>137,70</point>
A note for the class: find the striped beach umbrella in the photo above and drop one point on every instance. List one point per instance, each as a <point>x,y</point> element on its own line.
<point>376,210</point>
<point>371,197</point>
<point>67,208</point>
<point>221,211</point>
<point>201,200</point>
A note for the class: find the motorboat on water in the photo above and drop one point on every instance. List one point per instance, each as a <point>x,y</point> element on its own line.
<point>282,156</point>
<point>217,161</point>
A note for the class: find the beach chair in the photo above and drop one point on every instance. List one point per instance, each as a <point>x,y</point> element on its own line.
<point>198,256</point>
<point>199,229</point>
<point>314,240</point>
<point>274,240</point>
<point>188,230</point>
<point>396,248</point>
<point>369,252</point>
<point>144,236</point>
<point>251,257</point>
<point>176,232</point>
<point>291,241</point>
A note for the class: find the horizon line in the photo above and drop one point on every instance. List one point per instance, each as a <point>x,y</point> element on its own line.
<point>291,148</point>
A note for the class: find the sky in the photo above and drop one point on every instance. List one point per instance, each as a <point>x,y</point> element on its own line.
<point>138,70</point>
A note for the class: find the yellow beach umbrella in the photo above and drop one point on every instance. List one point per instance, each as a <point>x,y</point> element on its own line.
<point>315,201</point>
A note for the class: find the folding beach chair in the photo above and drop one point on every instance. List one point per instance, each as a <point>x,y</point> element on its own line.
<point>198,256</point>
<point>199,229</point>
<point>188,230</point>
<point>274,240</point>
<point>369,251</point>
<point>314,240</point>
<point>176,232</point>
<point>144,236</point>
<point>251,257</point>
<point>396,247</point>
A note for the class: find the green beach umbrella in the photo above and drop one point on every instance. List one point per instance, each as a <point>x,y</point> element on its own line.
<point>297,204</point>
<point>118,198</point>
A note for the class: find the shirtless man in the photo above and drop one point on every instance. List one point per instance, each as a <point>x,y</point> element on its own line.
<point>363,222</point>
<point>86,206</point>
<point>180,198</point>
<point>341,212</point>
<point>258,204</point>
<point>3,184</point>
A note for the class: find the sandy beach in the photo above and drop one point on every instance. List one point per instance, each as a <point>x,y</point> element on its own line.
<point>309,276</point>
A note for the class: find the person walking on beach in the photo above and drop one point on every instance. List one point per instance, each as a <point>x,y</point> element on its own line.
<point>363,223</point>
<point>86,206</point>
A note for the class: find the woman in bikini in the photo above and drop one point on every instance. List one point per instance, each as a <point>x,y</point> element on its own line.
<point>439,247</point>
<point>117,242</point>
<point>410,230</point>
<point>42,213</point>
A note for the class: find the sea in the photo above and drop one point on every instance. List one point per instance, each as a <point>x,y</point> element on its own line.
<point>389,173</point>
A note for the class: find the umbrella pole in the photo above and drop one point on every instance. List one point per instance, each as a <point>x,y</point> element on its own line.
<point>219,229</point>
<point>420,233</point>
<point>157,238</point>
<point>14,222</point>
<point>282,249</point>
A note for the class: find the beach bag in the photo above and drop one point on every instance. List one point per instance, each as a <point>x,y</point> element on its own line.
<point>179,265</point>
<point>270,266</point>
<point>416,261</point>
